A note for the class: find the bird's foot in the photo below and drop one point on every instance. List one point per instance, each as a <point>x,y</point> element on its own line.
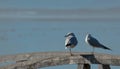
<point>71,54</point>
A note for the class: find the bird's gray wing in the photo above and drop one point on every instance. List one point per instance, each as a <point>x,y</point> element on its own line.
<point>71,41</point>
<point>94,42</point>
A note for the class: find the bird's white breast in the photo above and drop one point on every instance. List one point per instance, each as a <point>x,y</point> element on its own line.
<point>66,41</point>
<point>86,39</point>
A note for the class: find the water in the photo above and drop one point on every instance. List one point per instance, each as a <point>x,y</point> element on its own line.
<point>41,36</point>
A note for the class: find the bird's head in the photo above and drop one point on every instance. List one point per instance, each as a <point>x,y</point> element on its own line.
<point>88,35</point>
<point>69,34</point>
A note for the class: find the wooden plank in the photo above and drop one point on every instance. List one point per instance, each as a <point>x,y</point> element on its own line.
<point>80,66</point>
<point>103,66</point>
<point>83,66</point>
<point>54,59</point>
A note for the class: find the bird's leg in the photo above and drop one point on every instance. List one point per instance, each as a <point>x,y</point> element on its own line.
<point>70,51</point>
<point>93,50</point>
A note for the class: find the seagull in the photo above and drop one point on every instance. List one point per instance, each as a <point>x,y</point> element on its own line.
<point>94,42</point>
<point>71,41</point>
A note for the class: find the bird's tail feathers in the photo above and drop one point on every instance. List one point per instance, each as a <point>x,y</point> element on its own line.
<point>104,47</point>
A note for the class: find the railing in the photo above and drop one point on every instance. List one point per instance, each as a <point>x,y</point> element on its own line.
<point>46,59</point>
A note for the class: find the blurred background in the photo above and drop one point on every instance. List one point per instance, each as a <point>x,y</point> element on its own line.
<point>40,25</point>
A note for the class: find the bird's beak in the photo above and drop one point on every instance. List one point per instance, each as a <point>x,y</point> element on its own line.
<point>65,35</point>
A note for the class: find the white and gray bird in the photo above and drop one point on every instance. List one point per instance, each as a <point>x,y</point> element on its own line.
<point>71,41</point>
<point>94,42</point>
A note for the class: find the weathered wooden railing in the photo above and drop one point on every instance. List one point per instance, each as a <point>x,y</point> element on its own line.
<point>46,59</point>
